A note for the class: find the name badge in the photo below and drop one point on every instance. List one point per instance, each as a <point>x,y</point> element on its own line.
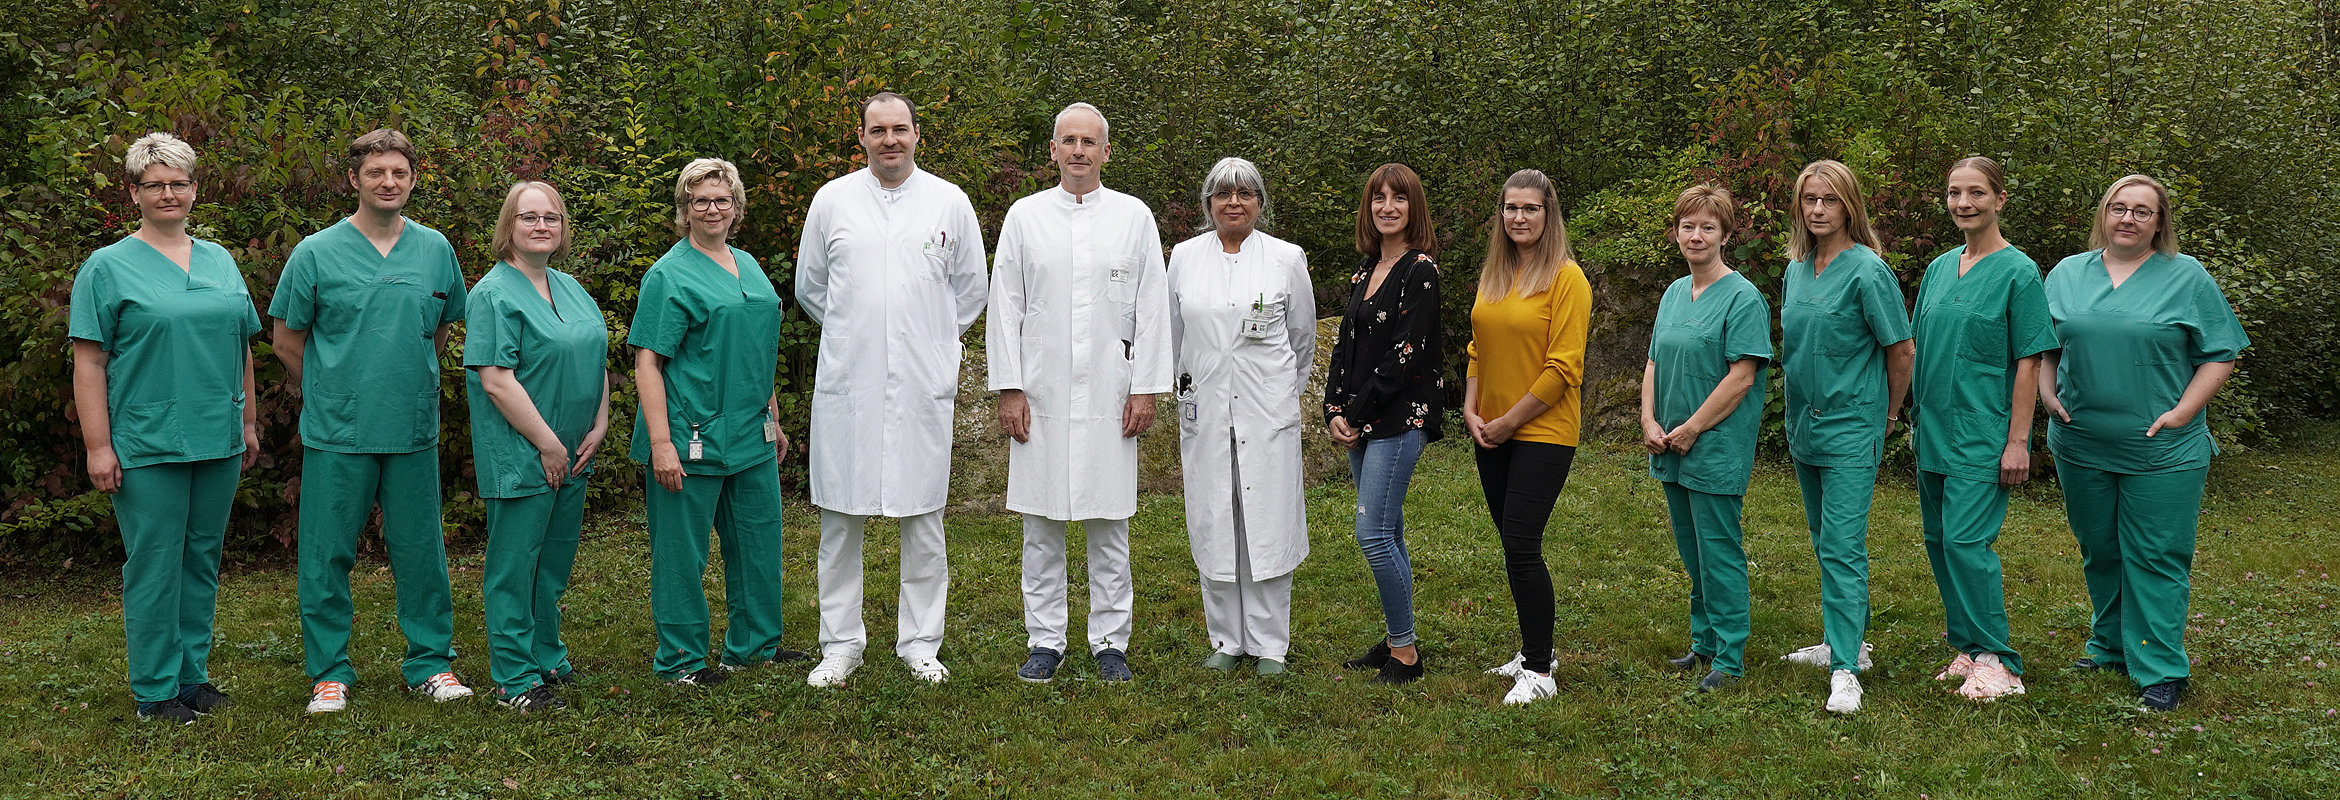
<point>940,247</point>
<point>1189,409</point>
<point>1118,275</point>
<point>771,431</point>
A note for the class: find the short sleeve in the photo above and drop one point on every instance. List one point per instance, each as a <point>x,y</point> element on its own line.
<point>1747,334</point>
<point>295,301</point>
<point>661,316</point>
<point>2217,335</point>
<point>457,299</point>
<point>2030,331</point>
<point>91,315</point>
<point>1882,305</point>
<point>491,334</point>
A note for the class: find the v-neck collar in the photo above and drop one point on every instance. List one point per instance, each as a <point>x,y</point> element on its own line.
<point>551,287</point>
<point>2104,268</point>
<point>404,227</point>
<point>190,279</point>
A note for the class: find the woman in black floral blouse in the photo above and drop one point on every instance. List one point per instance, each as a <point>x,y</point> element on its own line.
<point>1381,394</point>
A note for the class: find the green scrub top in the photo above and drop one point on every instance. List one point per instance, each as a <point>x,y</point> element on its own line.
<point>370,374</point>
<point>1693,343</point>
<point>2128,354</point>
<point>176,342</point>
<point>721,336</point>
<point>560,352</point>
<point>1834,329</point>
<point>1971,329</point>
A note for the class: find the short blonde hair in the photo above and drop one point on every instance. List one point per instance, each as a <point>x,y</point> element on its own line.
<point>158,149</point>
<point>1710,199</point>
<point>508,225</point>
<point>1505,272</point>
<point>1840,178</point>
<point>2165,228</point>
<point>701,171</point>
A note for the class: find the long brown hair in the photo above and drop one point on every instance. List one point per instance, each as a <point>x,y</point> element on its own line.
<point>1802,245</point>
<point>1400,180</point>
<point>1506,271</point>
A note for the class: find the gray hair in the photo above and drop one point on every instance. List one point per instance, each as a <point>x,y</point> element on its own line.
<point>1102,122</point>
<point>1232,173</point>
<point>158,149</point>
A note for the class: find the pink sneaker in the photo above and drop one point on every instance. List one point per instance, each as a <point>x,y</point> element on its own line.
<point>1990,680</point>
<point>1959,668</point>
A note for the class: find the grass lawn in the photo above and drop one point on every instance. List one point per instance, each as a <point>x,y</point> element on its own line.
<point>2260,722</point>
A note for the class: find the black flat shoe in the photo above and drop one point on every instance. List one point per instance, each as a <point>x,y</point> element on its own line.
<point>1395,672</point>
<point>2163,696</point>
<point>2090,664</point>
<point>1715,679</point>
<point>1375,657</point>
<point>1690,661</point>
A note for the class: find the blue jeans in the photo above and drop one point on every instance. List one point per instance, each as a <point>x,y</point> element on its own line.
<point>1383,468</point>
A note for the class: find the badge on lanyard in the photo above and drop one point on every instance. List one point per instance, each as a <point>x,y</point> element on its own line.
<point>1261,319</point>
<point>771,431</point>
<point>697,450</point>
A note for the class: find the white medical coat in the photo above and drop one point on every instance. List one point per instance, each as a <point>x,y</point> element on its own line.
<point>1080,313</point>
<point>894,279</point>
<point>1239,398</point>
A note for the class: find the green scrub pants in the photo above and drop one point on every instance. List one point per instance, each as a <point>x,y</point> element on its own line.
<point>744,510</point>
<point>531,548</point>
<point>1836,511</point>
<point>2136,535</point>
<point>1962,518</point>
<point>338,492</point>
<point>173,518</point>
<point>1706,533</point>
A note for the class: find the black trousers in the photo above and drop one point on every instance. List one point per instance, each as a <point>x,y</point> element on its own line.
<point>1522,480</point>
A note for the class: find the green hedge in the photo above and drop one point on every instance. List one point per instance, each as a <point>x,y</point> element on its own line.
<point>1623,102</point>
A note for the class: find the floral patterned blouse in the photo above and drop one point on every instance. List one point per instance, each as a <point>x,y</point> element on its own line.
<point>1385,375</point>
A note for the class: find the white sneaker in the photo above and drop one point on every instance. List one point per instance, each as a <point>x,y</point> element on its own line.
<point>1528,687</point>
<point>1844,691</point>
<point>1820,656</point>
<point>442,688</point>
<point>1509,669</point>
<point>928,669</point>
<point>832,671</point>
<point>328,697</point>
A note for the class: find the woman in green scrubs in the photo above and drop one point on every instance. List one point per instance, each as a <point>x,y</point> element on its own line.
<point>707,335</point>
<point>162,368</point>
<point>537,348</point>
<point>1982,323</point>
<point>1845,355</point>
<point>1701,405</point>
<point>2147,339</point>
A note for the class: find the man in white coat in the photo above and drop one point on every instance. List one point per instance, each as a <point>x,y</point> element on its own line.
<point>1079,345</point>
<point>891,266</point>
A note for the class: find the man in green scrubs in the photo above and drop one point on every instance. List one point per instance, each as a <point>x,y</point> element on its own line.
<point>1840,326</point>
<point>2132,443</point>
<point>361,312</point>
<point>1977,338</point>
<point>1693,347</point>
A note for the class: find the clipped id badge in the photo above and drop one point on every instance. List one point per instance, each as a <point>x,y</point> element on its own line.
<point>1261,320</point>
<point>698,450</point>
<point>1187,407</point>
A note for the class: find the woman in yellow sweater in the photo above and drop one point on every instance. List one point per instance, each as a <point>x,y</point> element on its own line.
<point>1521,402</point>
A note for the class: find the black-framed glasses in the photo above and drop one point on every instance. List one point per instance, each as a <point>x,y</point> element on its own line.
<point>2137,213</point>
<point>716,203</point>
<point>166,187</point>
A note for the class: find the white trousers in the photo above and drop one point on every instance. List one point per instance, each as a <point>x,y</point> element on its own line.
<point>1110,593</point>
<point>926,585</point>
<point>1248,615</point>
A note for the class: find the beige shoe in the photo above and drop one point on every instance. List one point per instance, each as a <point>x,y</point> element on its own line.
<point>1990,680</point>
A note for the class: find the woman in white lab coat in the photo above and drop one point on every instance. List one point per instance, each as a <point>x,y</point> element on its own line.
<point>1243,322</point>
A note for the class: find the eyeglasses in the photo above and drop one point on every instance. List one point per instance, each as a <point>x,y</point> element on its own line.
<point>535,220</point>
<point>167,187</point>
<point>716,203</point>
<point>1245,195</point>
<point>1823,200</point>
<point>2137,213</point>
<point>1522,209</point>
